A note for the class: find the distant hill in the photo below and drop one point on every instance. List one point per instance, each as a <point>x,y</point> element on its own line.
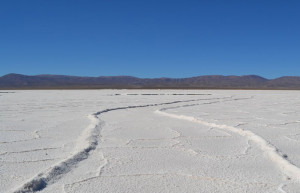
<point>19,81</point>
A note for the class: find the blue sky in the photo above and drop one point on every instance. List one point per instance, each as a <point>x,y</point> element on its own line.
<point>153,38</point>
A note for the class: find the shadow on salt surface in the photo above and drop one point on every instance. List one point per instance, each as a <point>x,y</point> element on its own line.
<point>160,94</point>
<point>6,92</point>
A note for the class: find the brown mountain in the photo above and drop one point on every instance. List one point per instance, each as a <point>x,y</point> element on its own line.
<point>19,81</point>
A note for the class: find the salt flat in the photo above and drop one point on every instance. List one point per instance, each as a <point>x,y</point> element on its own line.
<point>149,141</point>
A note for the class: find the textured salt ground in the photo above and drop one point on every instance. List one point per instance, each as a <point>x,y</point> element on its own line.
<point>167,156</point>
<point>276,122</point>
<point>58,116</point>
<point>142,151</point>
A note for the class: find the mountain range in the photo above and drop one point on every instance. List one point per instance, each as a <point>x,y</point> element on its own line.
<point>19,81</point>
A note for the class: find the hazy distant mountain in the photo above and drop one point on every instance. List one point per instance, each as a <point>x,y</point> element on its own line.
<point>19,81</point>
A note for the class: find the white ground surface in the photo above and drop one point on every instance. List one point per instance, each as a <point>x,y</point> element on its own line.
<point>150,141</point>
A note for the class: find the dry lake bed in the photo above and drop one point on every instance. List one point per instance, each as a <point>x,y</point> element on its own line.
<point>150,141</point>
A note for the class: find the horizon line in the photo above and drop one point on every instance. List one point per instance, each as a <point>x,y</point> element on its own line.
<point>245,75</point>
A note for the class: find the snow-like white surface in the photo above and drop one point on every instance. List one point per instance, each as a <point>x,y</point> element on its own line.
<point>150,141</point>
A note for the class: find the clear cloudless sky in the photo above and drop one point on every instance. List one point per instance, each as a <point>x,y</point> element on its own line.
<point>150,38</point>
